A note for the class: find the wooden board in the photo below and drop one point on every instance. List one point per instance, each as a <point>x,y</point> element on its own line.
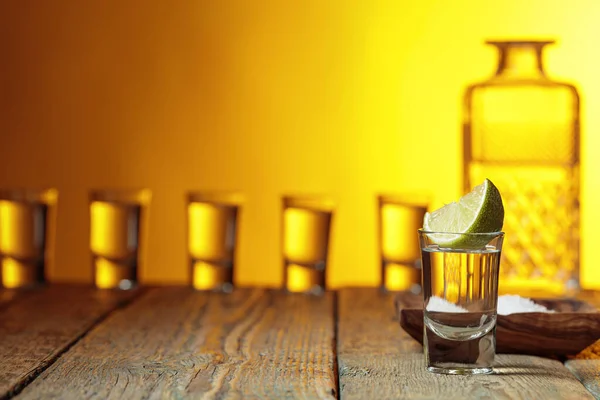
<point>41,324</point>
<point>588,371</point>
<point>392,364</point>
<point>176,343</point>
<point>574,326</point>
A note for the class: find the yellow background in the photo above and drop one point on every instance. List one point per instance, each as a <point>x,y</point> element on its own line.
<point>344,97</point>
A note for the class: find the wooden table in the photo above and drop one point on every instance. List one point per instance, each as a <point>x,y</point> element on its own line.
<point>74,342</point>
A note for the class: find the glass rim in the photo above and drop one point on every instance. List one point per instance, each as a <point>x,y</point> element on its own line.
<point>522,43</point>
<point>314,202</point>
<point>126,196</point>
<point>30,195</point>
<point>476,234</point>
<point>224,197</point>
<point>417,200</point>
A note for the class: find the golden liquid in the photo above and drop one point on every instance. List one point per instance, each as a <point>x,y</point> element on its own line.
<point>305,246</point>
<point>114,237</point>
<point>305,279</point>
<point>541,221</point>
<point>22,243</point>
<point>524,137</point>
<point>208,275</point>
<point>211,244</point>
<point>400,277</point>
<point>400,250</point>
<point>109,274</point>
<point>19,274</point>
<point>211,231</point>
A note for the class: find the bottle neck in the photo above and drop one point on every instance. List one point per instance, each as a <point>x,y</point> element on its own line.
<point>523,62</point>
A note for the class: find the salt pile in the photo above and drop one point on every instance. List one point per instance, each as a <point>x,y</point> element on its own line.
<point>507,304</point>
<point>513,304</point>
<point>442,305</point>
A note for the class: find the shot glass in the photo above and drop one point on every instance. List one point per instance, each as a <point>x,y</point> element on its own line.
<point>25,228</point>
<point>400,256</point>
<point>306,225</point>
<point>460,292</point>
<point>212,237</point>
<point>116,222</point>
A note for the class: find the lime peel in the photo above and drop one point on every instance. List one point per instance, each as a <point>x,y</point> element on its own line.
<point>479,211</point>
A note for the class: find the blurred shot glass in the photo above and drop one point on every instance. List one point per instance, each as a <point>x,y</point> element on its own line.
<point>306,225</point>
<point>212,236</point>
<point>116,222</point>
<point>400,254</point>
<point>26,227</point>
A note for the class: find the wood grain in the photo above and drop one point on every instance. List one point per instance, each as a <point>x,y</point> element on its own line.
<point>41,324</point>
<point>388,366</point>
<point>516,377</point>
<point>588,372</point>
<point>176,343</point>
<point>370,344</point>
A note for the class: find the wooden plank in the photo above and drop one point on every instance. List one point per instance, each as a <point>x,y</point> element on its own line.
<point>370,344</point>
<point>41,324</point>
<point>378,360</point>
<point>588,372</point>
<point>177,343</point>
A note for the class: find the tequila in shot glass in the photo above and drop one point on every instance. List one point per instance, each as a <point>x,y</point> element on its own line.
<point>25,231</point>
<point>212,237</point>
<point>116,222</point>
<point>306,224</point>
<point>460,289</point>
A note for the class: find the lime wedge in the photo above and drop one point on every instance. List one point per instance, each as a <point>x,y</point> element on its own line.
<point>480,211</point>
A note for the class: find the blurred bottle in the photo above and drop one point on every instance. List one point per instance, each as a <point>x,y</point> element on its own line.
<point>521,130</point>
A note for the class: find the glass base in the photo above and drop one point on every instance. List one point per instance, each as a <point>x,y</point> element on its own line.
<point>209,276</point>
<point>455,370</point>
<point>220,288</point>
<point>21,274</point>
<point>458,357</point>
<point>400,276</point>
<point>115,274</point>
<point>305,278</point>
<point>315,290</point>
